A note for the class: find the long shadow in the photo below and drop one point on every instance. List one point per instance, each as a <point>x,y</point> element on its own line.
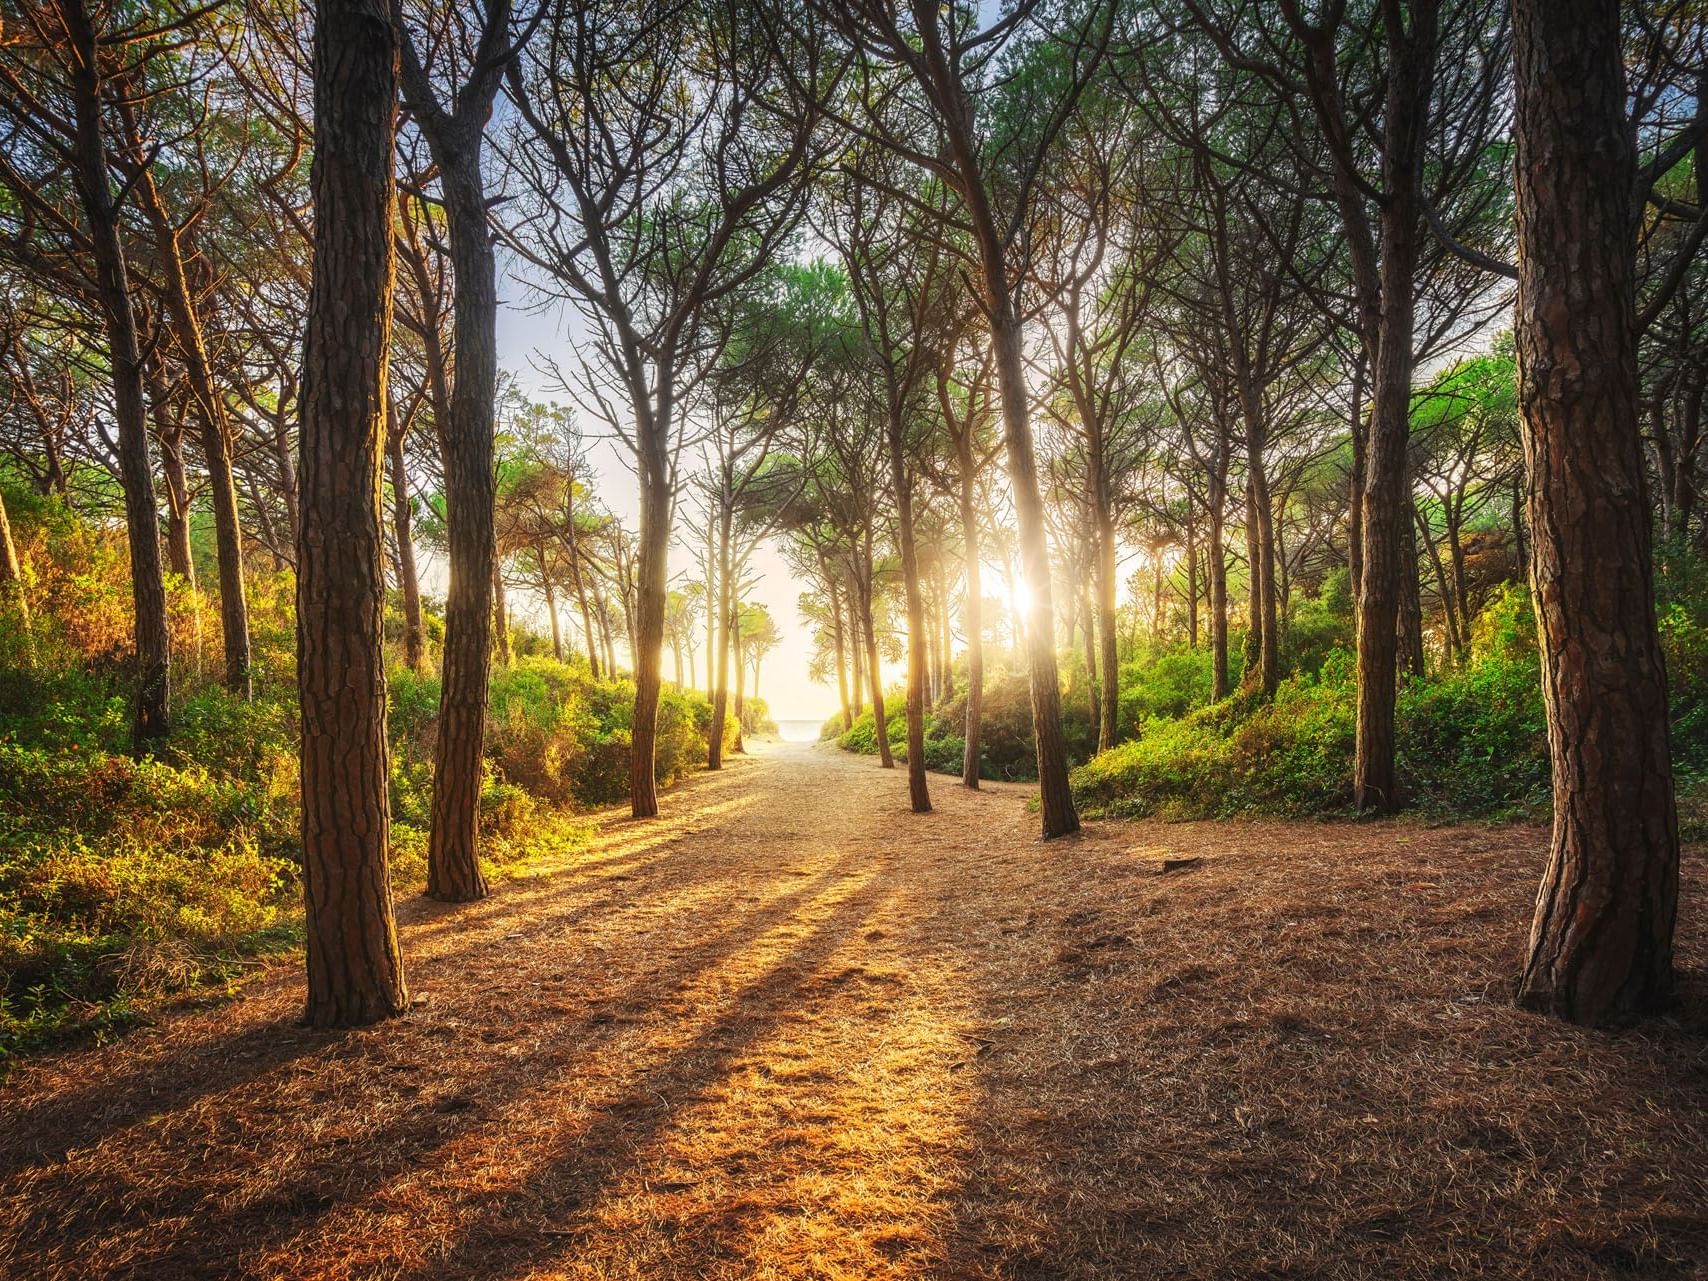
<point>43,1131</point>
<point>294,1208</point>
<point>596,1157</point>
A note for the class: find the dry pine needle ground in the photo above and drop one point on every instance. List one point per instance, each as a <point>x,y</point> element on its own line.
<point>792,1031</point>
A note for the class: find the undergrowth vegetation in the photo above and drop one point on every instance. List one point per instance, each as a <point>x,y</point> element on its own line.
<point>123,878</point>
<point>1472,738</point>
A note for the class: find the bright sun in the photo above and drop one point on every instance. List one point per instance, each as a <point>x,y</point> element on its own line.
<point>1020,598</point>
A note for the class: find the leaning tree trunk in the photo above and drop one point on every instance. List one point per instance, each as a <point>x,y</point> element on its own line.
<point>1601,944</point>
<point>150,713</point>
<point>918,791</point>
<point>973,609</point>
<point>1056,809</point>
<point>453,847</point>
<point>355,970</point>
<point>408,577</point>
<point>874,673</point>
<point>216,430</point>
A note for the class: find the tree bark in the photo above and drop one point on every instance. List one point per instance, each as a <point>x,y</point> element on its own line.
<point>973,612</point>
<point>646,637</point>
<point>918,639</point>
<point>1601,943</point>
<point>402,519</point>
<point>874,672</point>
<point>1385,525</point>
<point>725,611</point>
<point>500,616</point>
<point>150,718</point>
<point>211,415</point>
<point>456,140</point>
<point>841,647</point>
<point>355,969</point>
<point>1056,810</point>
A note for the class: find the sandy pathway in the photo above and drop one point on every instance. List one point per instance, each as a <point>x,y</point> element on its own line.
<point>791,1030</point>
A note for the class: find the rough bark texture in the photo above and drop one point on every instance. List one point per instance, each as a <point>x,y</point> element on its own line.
<point>355,970</point>
<point>652,583</point>
<point>1601,944</point>
<point>918,640</point>
<point>150,711</point>
<point>408,578</point>
<point>210,413</point>
<point>1056,810</point>
<point>1385,527</point>
<point>456,139</point>
<point>874,674</point>
<point>724,608</point>
<point>973,608</point>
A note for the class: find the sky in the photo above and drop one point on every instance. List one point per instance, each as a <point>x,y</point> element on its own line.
<point>528,339</point>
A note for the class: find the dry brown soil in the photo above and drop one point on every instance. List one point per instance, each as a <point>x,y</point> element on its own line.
<point>791,1030</point>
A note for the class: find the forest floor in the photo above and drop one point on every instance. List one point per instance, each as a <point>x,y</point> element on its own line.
<point>790,1030</point>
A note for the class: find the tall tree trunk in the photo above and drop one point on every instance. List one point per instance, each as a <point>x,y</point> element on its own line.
<point>973,614</point>
<point>1410,618</point>
<point>946,663</point>
<point>1220,681</point>
<point>857,647</point>
<point>1601,944</point>
<point>1094,694</point>
<point>1386,526</point>
<point>1056,809</point>
<point>841,647</point>
<point>646,638</point>
<point>169,431</point>
<point>740,680</point>
<point>403,534</point>
<point>918,642</point>
<point>1106,624</point>
<point>150,712</point>
<point>874,671</point>
<point>210,414</point>
<point>577,580</point>
<point>355,970</point>
<point>724,609</point>
<point>1191,574</point>
<point>1268,674</point>
<point>453,847</point>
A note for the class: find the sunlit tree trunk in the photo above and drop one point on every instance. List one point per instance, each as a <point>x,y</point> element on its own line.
<point>150,712</point>
<point>918,638</point>
<point>355,970</point>
<point>973,613</point>
<point>210,413</point>
<point>500,617</point>
<point>874,672</point>
<point>841,649</point>
<point>724,609</point>
<point>1601,943</point>
<point>403,534</point>
<point>456,139</point>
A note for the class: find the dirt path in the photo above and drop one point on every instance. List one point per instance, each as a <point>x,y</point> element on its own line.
<point>792,1031</point>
